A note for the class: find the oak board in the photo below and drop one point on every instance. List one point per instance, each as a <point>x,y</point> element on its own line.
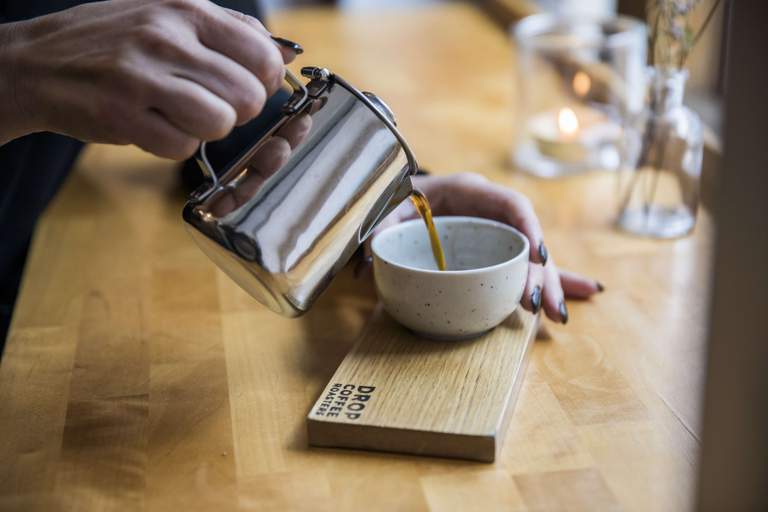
<point>401,393</point>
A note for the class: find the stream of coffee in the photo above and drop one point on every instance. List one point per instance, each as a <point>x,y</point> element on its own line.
<point>422,206</point>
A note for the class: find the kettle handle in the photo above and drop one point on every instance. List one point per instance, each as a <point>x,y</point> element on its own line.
<point>201,157</point>
<point>294,104</point>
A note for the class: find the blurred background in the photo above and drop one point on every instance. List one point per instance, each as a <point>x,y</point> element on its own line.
<point>706,64</point>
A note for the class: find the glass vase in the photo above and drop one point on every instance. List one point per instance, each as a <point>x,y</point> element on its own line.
<point>659,196</point>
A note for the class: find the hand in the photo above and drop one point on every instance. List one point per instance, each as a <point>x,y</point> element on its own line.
<point>472,194</point>
<point>159,74</point>
<point>269,158</point>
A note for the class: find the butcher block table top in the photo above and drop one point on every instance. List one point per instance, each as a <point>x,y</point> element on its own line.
<point>137,376</point>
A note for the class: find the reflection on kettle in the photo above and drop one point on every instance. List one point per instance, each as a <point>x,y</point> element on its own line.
<point>287,215</point>
<point>268,159</point>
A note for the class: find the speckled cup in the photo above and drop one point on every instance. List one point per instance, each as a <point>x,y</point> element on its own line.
<point>487,268</point>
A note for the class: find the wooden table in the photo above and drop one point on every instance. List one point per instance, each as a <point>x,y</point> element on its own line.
<point>138,376</point>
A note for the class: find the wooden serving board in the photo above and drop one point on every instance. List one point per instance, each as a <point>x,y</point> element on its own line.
<point>398,392</point>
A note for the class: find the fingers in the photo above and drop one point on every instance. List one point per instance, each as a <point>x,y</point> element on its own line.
<point>476,195</point>
<point>558,285</point>
<point>472,194</point>
<point>237,59</point>
<point>268,160</point>
<point>532,294</point>
<point>520,214</point>
<point>288,48</point>
<point>271,156</point>
<point>553,299</point>
<point>225,78</point>
<point>224,202</point>
<point>153,133</point>
<point>168,74</point>
<point>234,57</point>
<point>194,109</point>
<point>547,287</point>
<point>296,130</point>
<point>577,286</point>
<point>245,43</point>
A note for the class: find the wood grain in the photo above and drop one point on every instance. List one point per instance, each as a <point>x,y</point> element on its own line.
<point>398,392</point>
<point>138,377</point>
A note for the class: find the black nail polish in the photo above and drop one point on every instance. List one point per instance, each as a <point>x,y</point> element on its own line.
<point>543,253</point>
<point>563,313</point>
<point>600,287</point>
<point>287,43</point>
<point>536,299</point>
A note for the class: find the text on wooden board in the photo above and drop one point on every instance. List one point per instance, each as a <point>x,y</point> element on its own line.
<point>348,400</point>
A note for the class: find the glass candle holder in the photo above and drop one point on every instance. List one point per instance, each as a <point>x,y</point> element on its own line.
<point>581,85</point>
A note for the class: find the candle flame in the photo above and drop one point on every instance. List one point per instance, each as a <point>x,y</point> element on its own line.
<point>581,83</point>
<point>567,122</point>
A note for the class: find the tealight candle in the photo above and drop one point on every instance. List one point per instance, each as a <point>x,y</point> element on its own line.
<point>572,133</point>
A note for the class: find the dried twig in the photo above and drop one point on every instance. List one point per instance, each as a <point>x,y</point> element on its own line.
<point>670,34</point>
<point>710,15</point>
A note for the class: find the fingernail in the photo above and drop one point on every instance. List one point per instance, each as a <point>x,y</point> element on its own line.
<point>536,299</point>
<point>563,312</point>
<point>361,265</point>
<point>600,287</point>
<point>543,253</point>
<point>287,43</point>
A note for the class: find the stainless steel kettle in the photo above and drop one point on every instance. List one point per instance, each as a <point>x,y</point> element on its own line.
<point>287,214</point>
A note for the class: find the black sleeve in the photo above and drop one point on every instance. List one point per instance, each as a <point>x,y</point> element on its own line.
<point>17,10</point>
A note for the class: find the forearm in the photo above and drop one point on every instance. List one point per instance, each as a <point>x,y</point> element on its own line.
<point>14,120</point>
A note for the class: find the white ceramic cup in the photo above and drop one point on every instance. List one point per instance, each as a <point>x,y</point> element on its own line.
<point>487,268</point>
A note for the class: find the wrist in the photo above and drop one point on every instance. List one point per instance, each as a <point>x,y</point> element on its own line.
<point>16,118</point>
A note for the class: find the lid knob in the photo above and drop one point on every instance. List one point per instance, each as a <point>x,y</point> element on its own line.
<point>315,73</point>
